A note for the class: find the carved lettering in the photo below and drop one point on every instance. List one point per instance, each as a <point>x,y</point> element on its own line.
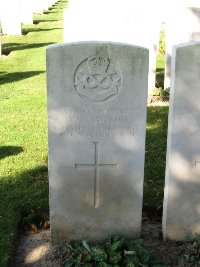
<point>97,123</point>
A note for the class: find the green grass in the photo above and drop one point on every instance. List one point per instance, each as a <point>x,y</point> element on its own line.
<point>160,71</point>
<point>160,62</point>
<point>156,139</point>
<point>23,129</point>
<point>23,124</point>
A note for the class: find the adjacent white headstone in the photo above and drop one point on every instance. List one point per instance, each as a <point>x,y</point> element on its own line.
<point>180,29</point>
<point>11,17</point>
<point>181,211</point>
<point>38,6</point>
<point>27,11</point>
<point>97,94</point>
<point>127,23</point>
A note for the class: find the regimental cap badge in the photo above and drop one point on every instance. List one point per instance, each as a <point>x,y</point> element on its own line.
<point>98,64</point>
<point>96,79</point>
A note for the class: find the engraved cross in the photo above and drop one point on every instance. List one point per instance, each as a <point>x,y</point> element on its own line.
<point>96,165</point>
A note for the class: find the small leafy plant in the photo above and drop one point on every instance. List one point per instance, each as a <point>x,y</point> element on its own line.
<point>192,255</point>
<point>115,251</point>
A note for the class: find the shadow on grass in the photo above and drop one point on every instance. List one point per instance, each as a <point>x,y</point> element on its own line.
<point>54,11</point>
<point>155,157</point>
<point>26,31</point>
<point>46,12</point>
<point>5,53</point>
<point>8,151</point>
<point>9,47</point>
<point>17,76</point>
<point>37,21</point>
<point>160,73</point>
<point>25,193</point>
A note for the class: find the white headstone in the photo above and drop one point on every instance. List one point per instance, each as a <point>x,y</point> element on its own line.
<point>52,2</point>
<point>127,23</point>
<point>27,11</point>
<point>11,17</point>
<point>180,29</point>
<point>38,6</point>
<point>181,211</point>
<point>193,3</point>
<point>97,94</point>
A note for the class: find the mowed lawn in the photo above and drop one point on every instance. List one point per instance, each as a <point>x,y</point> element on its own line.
<point>23,130</point>
<point>23,123</point>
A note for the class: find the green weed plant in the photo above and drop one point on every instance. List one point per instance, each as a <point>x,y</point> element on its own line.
<point>116,251</point>
<point>192,255</point>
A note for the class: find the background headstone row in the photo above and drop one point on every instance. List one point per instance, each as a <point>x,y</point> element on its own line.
<point>131,23</point>
<point>14,13</point>
<point>93,20</point>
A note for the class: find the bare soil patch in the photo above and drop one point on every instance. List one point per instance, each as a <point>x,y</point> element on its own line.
<point>170,253</point>
<point>35,250</point>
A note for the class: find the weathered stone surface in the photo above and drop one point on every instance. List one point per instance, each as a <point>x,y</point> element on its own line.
<point>181,211</point>
<point>179,30</point>
<point>97,95</point>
